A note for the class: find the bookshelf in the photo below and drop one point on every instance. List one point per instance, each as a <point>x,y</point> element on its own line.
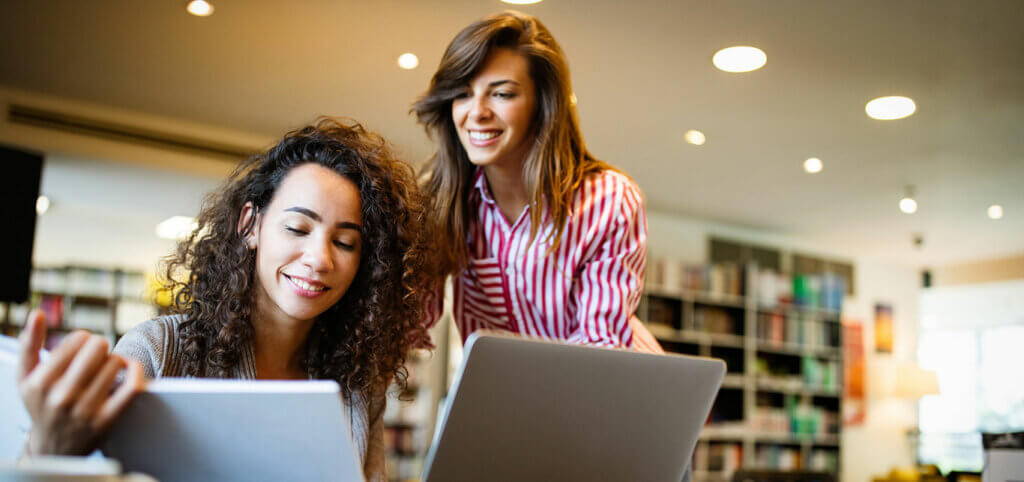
<point>779,335</point>
<point>105,301</point>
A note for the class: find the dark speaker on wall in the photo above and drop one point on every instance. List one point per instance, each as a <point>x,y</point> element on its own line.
<point>20,173</point>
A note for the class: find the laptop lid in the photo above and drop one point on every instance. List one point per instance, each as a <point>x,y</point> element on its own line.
<point>533,410</point>
<point>205,429</point>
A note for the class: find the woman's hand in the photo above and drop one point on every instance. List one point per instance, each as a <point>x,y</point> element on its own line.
<point>69,396</point>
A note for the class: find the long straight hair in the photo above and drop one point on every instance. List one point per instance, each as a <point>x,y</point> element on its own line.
<point>558,160</point>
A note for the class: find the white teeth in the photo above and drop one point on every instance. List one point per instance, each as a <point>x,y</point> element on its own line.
<point>483,136</point>
<point>306,286</point>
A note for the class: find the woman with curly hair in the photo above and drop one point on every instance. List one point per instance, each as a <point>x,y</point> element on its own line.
<point>306,264</point>
<point>541,237</point>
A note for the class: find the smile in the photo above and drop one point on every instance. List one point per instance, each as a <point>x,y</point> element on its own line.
<point>307,288</point>
<point>484,138</point>
<point>483,135</point>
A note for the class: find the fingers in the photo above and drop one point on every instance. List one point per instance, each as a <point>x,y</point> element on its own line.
<point>43,376</point>
<point>66,391</point>
<point>32,338</point>
<point>98,390</point>
<point>85,364</point>
<point>134,383</point>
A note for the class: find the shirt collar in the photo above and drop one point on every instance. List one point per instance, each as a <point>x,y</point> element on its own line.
<point>480,187</point>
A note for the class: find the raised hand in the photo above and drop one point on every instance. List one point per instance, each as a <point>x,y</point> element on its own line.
<point>71,397</point>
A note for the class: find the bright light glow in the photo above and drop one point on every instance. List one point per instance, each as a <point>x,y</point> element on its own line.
<point>522,2</point>
<point>889,108</point>
<point>200,8</point>
<point>813,165</point>
<point>572,98</point>
<point>176,227</point>
<point>739,59</point>
<point>995,211</point>
<point>43,205</point>
<point>408,61</point>
<point>695,137</point>
<point>908,205</point>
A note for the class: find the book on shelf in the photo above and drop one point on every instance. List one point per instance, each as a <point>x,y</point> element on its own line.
<point>777,457</point>
<point>715,279</point>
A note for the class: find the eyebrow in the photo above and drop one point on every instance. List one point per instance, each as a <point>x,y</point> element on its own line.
<point>501,82</point>
<point>316,217</point>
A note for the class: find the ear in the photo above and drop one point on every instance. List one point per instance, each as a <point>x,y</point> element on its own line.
<point>247,217</point>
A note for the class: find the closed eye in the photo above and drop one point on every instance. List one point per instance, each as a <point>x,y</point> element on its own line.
<point>297,232</point>
<point>504,95</point>
<point>347,247</point>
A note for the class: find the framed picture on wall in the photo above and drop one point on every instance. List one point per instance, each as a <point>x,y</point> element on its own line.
<point>883,328</point>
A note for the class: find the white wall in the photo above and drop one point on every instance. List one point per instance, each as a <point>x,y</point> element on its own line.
<point>880,443</point>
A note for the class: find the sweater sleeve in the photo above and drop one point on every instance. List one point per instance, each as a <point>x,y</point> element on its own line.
<point>146,343</point>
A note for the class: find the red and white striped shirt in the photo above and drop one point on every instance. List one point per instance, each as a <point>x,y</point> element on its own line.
<point>585,292</point>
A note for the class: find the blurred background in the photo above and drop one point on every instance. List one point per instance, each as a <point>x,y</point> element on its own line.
<point>833,254</point>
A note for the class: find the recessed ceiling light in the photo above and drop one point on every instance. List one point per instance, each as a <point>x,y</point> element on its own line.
<point>176,227</point>
<point>408,61</point>
<point>889,108</point>
<point>521,2</point>
<point>200,8</point>
<point>995,211</point>
<point>42,205</point>
<point>695,137</point>
<point>739,59</point>
<point>813,165</point>
<point>908,205</point>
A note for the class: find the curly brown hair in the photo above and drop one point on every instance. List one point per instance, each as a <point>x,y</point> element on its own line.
<point>362,341</point>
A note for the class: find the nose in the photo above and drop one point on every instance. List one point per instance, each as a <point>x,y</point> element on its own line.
<point>316,254</point>
<point>479,108</point>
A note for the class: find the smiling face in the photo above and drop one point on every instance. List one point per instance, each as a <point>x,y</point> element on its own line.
<point>308,242</point>
<point>493,115</point>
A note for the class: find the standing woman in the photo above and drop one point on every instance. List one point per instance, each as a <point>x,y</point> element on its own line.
<point>542,239</point>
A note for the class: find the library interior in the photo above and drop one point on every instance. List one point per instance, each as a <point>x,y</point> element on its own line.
<point>832,191</point>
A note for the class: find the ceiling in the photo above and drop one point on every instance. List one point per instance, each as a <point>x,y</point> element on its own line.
<point>643,76</point>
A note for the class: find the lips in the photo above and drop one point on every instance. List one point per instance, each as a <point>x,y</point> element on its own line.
<point>482,138</point>
<point>306,287</point>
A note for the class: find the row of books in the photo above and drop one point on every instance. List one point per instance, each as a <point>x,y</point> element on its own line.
<point>82,281</point>
<point>720,279</point>
<point>814,373</point>
<point>797,419</point>
<point>715,320</point>
<point>723,458</point>
<point>778,457</point>
<point>778,328</point>
<point>823,291</point>
<point>824,460</point>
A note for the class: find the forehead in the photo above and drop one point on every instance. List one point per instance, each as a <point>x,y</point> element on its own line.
<point>320,189</point>
<point>502,63</point>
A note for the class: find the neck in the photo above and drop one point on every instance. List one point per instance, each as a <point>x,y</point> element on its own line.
<point>279,343</point>
<point>507,187</point>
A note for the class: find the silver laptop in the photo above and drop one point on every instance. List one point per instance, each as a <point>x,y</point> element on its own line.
<point>526,410</point>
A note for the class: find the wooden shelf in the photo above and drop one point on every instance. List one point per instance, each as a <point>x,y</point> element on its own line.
<point>750,359</point>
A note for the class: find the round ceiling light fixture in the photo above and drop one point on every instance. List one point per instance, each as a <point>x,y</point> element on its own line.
<point>739,59</point>
<point>890,108</point>
<point>408,61</point>
<point>695,137</point>
<point>200,8</point>
<point>813,165</point>
<point>995,211</point>
<point>908,205</point>
<point>42,205</point>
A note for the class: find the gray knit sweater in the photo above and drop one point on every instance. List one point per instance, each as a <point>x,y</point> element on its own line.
<point>155,345</point>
